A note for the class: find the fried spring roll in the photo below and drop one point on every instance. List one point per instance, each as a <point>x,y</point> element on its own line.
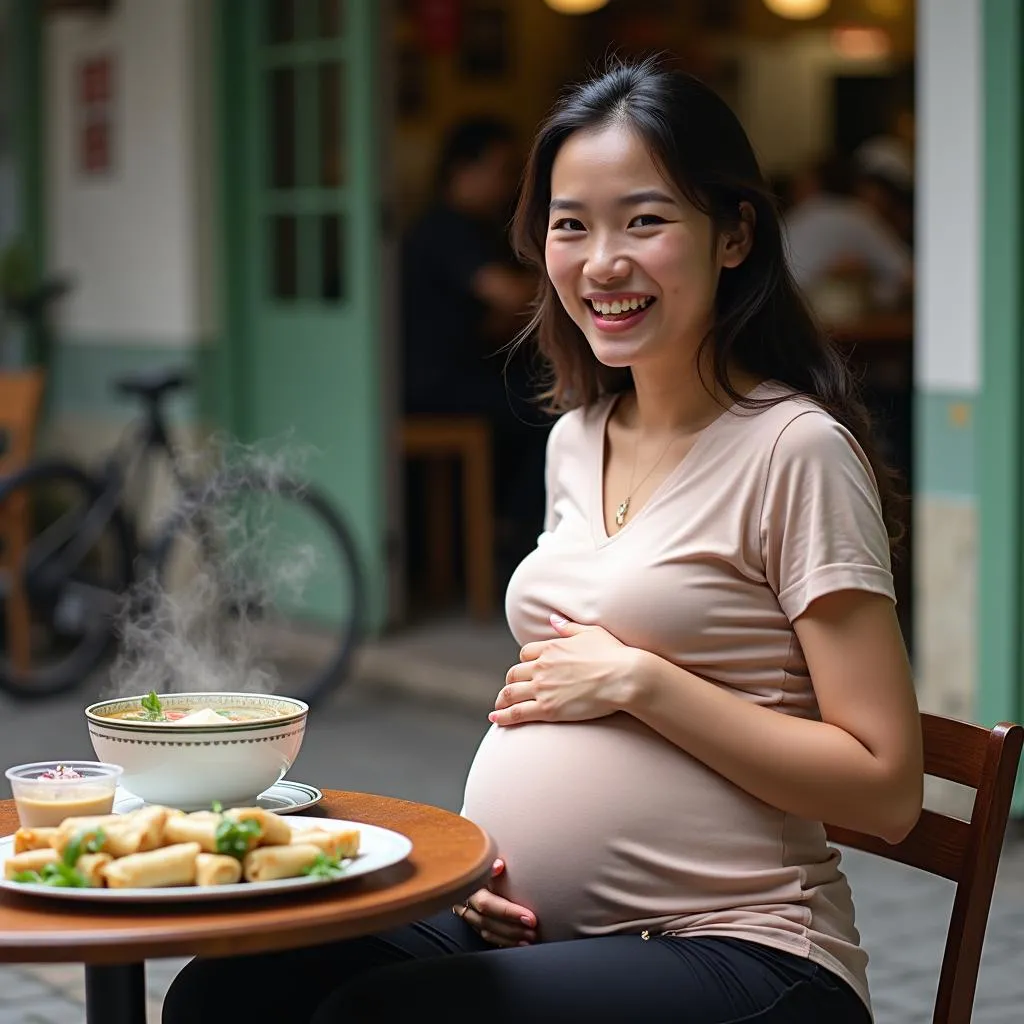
<point>90,866</point>
<point>32,860</point>
<point>170,865</point>
<point>187,829</point>
<point>70,827</point>
<point>216,869</point>
<point>266,863</point>
<point>26,839</point>
<point>337,844</point>
<point>139,832</point>
<point>274,830</point>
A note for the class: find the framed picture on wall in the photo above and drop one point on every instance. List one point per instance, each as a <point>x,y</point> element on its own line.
<point>485,39</point>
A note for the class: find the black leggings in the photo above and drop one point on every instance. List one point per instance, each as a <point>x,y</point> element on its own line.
<point>441,966</point>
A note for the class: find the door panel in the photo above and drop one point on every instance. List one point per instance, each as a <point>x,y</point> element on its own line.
<point>302,185</point>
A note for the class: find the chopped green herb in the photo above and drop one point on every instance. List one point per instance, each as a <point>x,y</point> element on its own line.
<point>58,874</point>
<point>83,842</point>
<point>326,866</point>
<point>153,708</point>
<point>237,838</point>
<point>217,807</point>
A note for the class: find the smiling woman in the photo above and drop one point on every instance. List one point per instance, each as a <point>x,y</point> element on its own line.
<point>710,665</point>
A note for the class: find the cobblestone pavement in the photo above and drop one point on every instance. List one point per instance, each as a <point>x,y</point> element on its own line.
<point>404,744</point>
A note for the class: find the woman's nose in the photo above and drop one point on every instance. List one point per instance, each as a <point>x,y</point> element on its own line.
<point>605,263</point>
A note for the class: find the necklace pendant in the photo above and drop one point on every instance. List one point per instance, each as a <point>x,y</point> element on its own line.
<point>620,513</point>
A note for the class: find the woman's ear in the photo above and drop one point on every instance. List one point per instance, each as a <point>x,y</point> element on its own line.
<point>736,243</point>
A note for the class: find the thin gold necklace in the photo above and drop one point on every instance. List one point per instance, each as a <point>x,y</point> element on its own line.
<point>623,508</point>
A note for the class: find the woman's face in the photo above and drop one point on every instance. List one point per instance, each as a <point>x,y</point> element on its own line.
<point>634,264</point>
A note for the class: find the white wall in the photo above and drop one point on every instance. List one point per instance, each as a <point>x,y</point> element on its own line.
<point>785,97</point>
<point>949,210</point>
<point>131,240</point>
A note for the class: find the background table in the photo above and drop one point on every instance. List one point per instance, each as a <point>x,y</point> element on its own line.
<point>451,858</point>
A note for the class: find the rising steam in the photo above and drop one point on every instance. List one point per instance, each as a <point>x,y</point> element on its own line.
<point>201,617</point>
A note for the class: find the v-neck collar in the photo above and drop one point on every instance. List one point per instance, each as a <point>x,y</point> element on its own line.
<point>600,532</point>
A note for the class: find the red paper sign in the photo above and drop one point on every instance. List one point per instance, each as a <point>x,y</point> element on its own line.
<point>438,23</point>
<point>94,100</point>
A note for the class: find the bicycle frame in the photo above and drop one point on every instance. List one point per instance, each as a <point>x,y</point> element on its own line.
<point>127,464</point>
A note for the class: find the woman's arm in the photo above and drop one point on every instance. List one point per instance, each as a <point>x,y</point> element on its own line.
<point>860,767</point>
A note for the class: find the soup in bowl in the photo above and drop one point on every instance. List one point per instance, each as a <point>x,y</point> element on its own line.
<point>188,750</point>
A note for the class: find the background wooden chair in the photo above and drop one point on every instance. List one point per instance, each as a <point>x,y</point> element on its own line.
<point>21,395</point>
<point>966,852</point>
<point>443,442</point>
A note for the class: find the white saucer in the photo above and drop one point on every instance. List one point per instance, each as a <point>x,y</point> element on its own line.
<point>286,797</point>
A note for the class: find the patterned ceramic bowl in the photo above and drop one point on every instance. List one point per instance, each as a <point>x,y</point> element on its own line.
<point>187,758</point>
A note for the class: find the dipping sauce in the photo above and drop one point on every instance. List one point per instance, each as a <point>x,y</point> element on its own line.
<point>47,792</point>
<point>69,800</point>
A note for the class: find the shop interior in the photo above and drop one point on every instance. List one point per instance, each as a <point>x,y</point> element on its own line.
<point>825,89</point>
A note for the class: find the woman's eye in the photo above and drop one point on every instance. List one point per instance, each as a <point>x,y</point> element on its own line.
<point>646,220</point>
<point>567,224</point>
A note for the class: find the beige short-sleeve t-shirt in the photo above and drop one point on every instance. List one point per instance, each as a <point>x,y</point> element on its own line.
<point>606,827</point>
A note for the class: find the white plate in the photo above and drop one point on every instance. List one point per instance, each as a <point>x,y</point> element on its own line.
<point>378,848</point>
<point>286,797</point>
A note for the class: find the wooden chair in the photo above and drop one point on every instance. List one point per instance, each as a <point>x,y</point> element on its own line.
<point>21,395</point>
<point>441,441</point>
<point>966,852</point>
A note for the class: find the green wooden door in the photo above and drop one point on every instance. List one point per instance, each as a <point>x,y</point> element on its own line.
<point>303,255</point>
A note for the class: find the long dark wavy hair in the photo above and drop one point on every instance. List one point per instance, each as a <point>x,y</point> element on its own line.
<point>761,323</point>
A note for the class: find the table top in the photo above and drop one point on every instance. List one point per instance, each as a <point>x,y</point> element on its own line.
<point>451,858</point>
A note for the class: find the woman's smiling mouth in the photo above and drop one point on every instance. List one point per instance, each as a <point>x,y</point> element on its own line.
<point>620,312</point>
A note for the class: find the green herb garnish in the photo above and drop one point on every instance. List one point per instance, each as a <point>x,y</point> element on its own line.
<point>326,866</point>
<point>59,875</point>
<point>236,838</point>
<point>83,842</point>
<point>217,807</point>
<point>153,708</point>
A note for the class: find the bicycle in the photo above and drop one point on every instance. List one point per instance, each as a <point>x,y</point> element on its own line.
<point>96,583</point>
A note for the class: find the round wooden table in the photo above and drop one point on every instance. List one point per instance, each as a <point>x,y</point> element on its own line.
<point>451,858</point>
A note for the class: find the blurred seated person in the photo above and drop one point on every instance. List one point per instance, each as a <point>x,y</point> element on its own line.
<point>464,298</point>
<point>884,168</point>
<point>844,256</point>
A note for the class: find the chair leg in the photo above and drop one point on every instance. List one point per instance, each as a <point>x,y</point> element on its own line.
<point>440,515</point>
<point>478,511</point>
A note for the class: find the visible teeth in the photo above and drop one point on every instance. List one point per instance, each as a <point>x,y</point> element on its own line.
<point>619,305</point>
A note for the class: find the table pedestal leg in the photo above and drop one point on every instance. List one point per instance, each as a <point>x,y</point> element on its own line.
<point>115,994</point>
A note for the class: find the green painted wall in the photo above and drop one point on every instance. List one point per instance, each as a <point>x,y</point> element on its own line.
<point>945,455</point>
<point>999,428</point>
<point>83,370</point>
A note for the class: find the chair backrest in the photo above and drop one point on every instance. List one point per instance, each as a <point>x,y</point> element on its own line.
<point>21,395</point>
<point>966,852</point>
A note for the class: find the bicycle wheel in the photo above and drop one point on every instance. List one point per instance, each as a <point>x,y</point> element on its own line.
<point>65,570</point>
<point>258,587</point>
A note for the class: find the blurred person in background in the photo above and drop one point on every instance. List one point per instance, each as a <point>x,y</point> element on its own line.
<point>834,236</point>
<point>464,298</point>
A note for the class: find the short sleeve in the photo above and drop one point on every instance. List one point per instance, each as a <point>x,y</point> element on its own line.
<point>821,522</point>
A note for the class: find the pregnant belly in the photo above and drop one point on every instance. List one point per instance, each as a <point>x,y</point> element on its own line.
<point>606,827</point>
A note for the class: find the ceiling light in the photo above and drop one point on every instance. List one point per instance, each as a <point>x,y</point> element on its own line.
<point>797,10</point>
<point>575,6</point>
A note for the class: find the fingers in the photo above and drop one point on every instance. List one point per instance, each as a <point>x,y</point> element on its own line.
<point>498,921</point>
<point>497,868</point>
<point>531,651</point>
<point>513,693</point>
<point>516,714</point>
<point>519,673</point>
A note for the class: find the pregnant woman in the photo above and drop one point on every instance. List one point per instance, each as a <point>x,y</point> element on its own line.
<point>711,664</point>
